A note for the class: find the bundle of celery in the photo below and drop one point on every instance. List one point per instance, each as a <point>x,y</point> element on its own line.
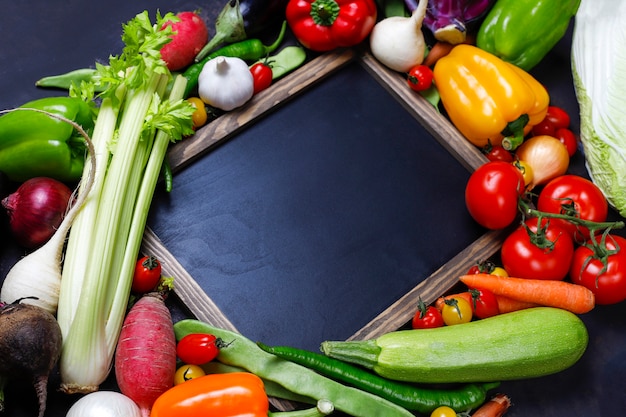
<point>135,124</point>
<point>599,72</point>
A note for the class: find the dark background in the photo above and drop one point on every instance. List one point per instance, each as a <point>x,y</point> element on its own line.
<point>313,220</point>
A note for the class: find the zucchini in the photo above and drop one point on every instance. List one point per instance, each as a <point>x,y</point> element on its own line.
<point>524,344</point>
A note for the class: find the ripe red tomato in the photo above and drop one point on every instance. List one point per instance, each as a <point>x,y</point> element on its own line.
<point>261,76</point>
<point>567,138</point>
<point>147,274</point>
<point>420,77</point>
<point>608,285</point>
<point>544,127</point>
<point>484,303</point>
<point>426,317</point>
<point>558,117</point>
<point>543,254</point>
<point>497,153</point>
<point>492,192</point>
<point>198,348</point>
<point>575,196</point>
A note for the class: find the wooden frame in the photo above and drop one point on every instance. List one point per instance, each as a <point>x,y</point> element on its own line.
<point>228,125</point>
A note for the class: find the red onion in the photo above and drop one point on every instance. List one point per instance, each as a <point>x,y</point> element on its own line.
<point>36,210</point>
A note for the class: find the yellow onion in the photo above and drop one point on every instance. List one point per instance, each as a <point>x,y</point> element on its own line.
<point>547,157</point>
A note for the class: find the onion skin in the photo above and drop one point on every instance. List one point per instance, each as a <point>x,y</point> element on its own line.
<point>36,210</point>
<point>547,157</point>
<point>104,404</point>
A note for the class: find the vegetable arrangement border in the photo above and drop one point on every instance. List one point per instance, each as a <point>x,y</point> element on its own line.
<point>228,125</point>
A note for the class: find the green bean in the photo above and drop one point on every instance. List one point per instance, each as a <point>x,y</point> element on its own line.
<point>248,50</point>
<point>286,60</point>
<point>411,397</point>
<point>246,354</point>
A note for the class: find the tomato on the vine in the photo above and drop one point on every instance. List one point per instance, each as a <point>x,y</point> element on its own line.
<point>443,411</point>
<point>567,138</point>
<point>485,303</point>
<point>492,192</point>
<point>456,310</point>
<point>544,127</point>
<point>420,77</point>
<point>606,278</point>
<point>426,317</point>
<point>261,76</point>
<point>558,117</point>
<point>198,348</point>
<point>538,252</point>
<point>187,372</point>
<point>575,196</point>
<point>147,274</point>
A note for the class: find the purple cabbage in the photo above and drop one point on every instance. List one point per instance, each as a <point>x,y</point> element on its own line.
<point>448,20</point>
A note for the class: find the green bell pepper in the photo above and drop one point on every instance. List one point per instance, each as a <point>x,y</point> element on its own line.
<point>33,144</point>
<point>522,32</point>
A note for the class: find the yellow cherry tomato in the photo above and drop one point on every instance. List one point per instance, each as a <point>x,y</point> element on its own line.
<point>443,411</point>
<point>199,117</point>
<point>526,170</point>
<point>187,372</point>
<point>499,271</point>
<point>456,310</point>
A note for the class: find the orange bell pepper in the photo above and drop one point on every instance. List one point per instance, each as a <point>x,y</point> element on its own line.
<point>487,99</point>
<point>229,395</point>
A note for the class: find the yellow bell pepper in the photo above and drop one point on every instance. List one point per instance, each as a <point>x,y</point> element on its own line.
<point>487,99</point>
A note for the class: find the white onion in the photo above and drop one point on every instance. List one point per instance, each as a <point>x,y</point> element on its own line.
<point>104,404</point>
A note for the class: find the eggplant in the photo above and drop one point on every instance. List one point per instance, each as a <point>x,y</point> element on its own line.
<point>241,19</point>
<point>449,20</point>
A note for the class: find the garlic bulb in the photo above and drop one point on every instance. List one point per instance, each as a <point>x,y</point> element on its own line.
<point>225,83</point>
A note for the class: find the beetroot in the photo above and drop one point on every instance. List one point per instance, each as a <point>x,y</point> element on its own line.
<point>190,35</point>
<point>30,346</point>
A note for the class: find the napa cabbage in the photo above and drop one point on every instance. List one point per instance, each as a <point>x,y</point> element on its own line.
<point>599,73</point>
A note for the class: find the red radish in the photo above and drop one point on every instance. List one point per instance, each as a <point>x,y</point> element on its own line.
<point>145,359</point>
<point>190,35</point>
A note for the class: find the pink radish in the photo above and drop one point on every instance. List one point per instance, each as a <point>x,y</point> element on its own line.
<point>145,359</point>
<point>190,35</point>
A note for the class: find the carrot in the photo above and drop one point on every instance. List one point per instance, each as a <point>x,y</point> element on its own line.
<point>508,305</point>
<point>441,49</point>
<point>495,407</point>
<point>550,293</point>
<point>145,359</point>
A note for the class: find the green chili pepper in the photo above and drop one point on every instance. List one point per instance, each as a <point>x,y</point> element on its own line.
<point>33,144</point>
<point>411,397</point>
<point>522,32</point>
<point>248,50</point>
<point>65,81</point>
<point>298,379</point>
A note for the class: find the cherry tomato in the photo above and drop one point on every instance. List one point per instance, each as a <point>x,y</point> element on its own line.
<point>499,271</point>
<point>456,310</point>
<point>544,253</point>
<point>567,138</point>
<point>485,303</point>
<point>199,116</point>
<point>492,192</point>
<point>606,281</point>
<point>261,75</point>
<point>420,77</point>
<point>544,127</point>
<point>443,411</point>
<point>186,372</point>
<point>558,117</point>
<point>497,153</point>
<point>147,274</point>
<point>426,317</point>
<point>575,196</point>
<point>526,170</point>
<point>198,348</point>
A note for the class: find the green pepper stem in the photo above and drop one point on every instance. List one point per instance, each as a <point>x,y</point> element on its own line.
<point>323,408</point>
<point>324,12</point>
<point>514,133</point>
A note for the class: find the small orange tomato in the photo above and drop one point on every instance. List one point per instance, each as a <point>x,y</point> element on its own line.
<point>199,116</point>
<point>526,170</point>
<point>187,372</point>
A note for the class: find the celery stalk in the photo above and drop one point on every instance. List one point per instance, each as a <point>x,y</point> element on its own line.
<point>135,126</point>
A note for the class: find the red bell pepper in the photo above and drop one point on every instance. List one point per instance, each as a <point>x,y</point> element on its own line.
<point>323,25</point>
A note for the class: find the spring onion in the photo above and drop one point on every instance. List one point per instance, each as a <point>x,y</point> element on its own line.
<point>599,73</point>
<point>135,124</point>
